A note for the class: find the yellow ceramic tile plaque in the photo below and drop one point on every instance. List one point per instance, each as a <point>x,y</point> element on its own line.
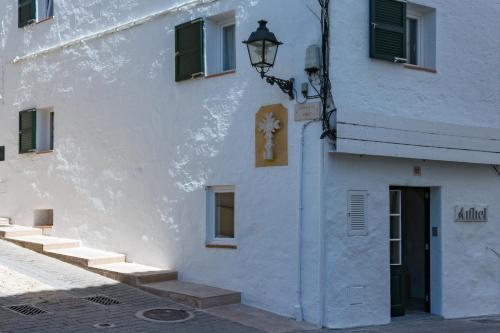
<point>271,136</point>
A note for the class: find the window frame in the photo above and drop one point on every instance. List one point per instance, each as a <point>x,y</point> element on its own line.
<point>211,238</point>
<point>222,25</point>
<point>420,37</point>
<point>400,239</point>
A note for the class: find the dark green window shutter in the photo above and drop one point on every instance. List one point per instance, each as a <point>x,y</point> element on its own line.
<point>27,12</point>
<point>2,153</point>
<point>388,30</point>
<point>189,55</point>
<point>27,131</point>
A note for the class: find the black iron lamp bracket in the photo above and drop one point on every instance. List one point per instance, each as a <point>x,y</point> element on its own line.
<point>286,86</point>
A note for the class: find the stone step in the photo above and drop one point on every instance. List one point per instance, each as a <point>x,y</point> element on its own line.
<point>192,294</point>
<point>85,257</point>
<point>133,274</point>
<point>40,243</point>
<point>18,231</point>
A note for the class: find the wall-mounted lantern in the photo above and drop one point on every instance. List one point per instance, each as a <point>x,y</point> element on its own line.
<point>262,49</point>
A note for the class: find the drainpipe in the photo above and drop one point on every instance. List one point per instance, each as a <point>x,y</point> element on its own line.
<point>299,312</point>
<point>322,238</point>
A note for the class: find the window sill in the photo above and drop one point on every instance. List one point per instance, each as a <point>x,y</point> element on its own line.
<point>45,19</point>
<point>221,246</point>
<point>420,68</point>
<point>44,152</point>
<point>220,74</point>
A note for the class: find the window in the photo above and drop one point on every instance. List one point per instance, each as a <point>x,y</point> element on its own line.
<point>395,242</point>
<point>220,41</point>
<point>221,215</point>
<point>36,131</point>
<point>31,11</point>
<point>2,153</point>
<point>205,47</point>
<point>403,32</point>
<point>421,36</point>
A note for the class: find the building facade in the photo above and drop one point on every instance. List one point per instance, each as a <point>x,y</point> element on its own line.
<point>147,118</point>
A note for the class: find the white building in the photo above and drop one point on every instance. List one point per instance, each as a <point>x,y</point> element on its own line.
<point>130,151</point>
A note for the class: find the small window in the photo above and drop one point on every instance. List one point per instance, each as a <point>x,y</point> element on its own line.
<point>43,218</point>
<point>36,131</point>
<point>421,36</point>
<point>44,9</point>
<point>220,41</point>
<point>31,11</point>
<point>2,153</point>
<point>221,215</point>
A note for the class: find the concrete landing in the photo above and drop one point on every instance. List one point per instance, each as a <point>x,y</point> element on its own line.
<point>40,243</point>
<point>259,319</point>
<point>134,274</point>
<point>85,257</point>
<point>192,294</point>
<point>18,231</point>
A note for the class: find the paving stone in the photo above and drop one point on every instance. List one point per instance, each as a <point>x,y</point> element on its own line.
<point>68,312</point>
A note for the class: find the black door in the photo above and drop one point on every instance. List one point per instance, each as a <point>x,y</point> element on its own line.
<point>409,250</point>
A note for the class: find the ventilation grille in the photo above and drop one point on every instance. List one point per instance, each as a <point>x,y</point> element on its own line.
<point>357,213</point>
<point>26,310</point>
<point>101,299</point>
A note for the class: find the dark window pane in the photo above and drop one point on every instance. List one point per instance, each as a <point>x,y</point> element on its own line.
<point>413,41</point>
<point>224,215</point>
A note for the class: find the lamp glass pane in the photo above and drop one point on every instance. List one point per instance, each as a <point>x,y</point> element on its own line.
<point>255,50</point>
<point>270,53</point>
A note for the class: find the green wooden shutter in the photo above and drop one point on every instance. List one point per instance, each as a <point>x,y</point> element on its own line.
<point>27,131</point>
<point>189,55</point>
<point>27,12</point>
<point>2,153</point>
<point>388,30</point>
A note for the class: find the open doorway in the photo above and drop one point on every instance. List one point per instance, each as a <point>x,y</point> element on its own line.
<point>410,250</point>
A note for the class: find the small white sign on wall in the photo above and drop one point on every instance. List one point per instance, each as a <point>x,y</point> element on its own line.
<point>464,213</point>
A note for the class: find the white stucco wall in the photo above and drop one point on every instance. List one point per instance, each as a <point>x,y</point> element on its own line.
<point>459,93</point>
<point>464,272</point>
<point>134,150</point>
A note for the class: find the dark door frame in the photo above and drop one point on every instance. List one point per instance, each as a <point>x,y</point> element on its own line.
<point>401,269</point>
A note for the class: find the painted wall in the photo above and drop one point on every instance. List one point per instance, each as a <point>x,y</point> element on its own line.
<point>460,256</point>
<point>459,93</point>
<point>134,150</point>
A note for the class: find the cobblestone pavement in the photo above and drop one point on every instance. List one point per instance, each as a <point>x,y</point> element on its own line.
<point>27,277</point>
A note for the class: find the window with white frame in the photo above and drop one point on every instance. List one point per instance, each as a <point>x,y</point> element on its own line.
<point>32,11</point>
<point>421,36</point>
<point>220,43</point>
<point>221,215</point>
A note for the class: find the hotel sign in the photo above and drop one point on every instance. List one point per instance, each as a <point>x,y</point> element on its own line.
<point>471,214</point>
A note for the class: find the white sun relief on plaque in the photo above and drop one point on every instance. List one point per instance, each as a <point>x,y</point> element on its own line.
<point>268,126</point>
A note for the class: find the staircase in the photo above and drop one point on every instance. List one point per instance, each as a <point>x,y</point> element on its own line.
<point>114,266</point>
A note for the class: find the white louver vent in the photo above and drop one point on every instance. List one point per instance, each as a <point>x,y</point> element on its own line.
<point>356,212</point>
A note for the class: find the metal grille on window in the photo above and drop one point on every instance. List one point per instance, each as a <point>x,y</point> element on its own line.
<point>395,227</point>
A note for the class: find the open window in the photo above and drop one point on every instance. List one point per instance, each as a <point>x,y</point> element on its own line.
<point>205,46</point>
<point>36,131</point>
<point>403,32</point>
<point>220,41</point>
<point>221,215</point>
<point>32,11</point>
